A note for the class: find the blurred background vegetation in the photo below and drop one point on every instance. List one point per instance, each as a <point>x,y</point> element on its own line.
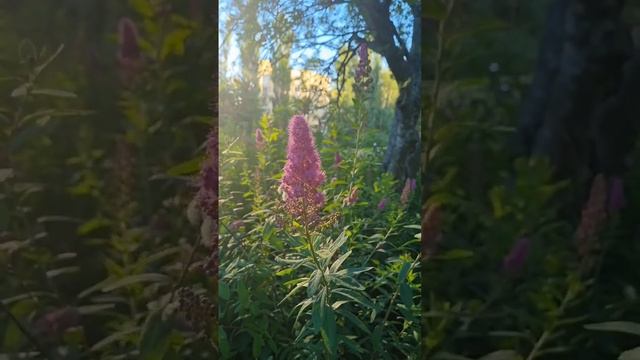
<point>97,146</point>
<point>530,138</point>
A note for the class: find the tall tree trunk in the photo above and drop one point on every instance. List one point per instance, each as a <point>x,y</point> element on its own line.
<point>402,156</point>
<point>580,112</point>
<point>403,150</point>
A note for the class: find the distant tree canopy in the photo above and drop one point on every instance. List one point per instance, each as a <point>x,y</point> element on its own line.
<point>298,31</point>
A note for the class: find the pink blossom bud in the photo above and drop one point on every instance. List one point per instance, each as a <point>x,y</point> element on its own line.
<point>260,141</point>
<point>515,260</point>
<point>382,204</point>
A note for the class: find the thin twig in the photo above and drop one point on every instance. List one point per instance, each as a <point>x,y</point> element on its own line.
<point>397,291</point>
<point>547,333</point>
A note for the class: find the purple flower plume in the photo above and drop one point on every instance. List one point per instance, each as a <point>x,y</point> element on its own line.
<point>260,141</point>
<point>303,174</point>
<point>515,260</point>
<point>382,204</point>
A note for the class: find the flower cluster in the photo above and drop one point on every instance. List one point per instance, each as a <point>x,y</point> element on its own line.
<point>592,220</point>
<point>198,310</point>
<point>260,141</point>
<point>129,55</point>
<point>54,323</point>
<point>362,78</point>
<point>363,64</point>
<point>517,256</point>
<point>337,160</point>
<point>303,175</point>
<point>352,198</point>
<point>123,188</point>
<point>382,204</point>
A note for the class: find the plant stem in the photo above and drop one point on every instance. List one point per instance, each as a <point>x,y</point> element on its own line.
<point>183,273</point>
<point>397,291</point>
<point>547,333</point>
<point>384,239</point>
<point>315,257</point>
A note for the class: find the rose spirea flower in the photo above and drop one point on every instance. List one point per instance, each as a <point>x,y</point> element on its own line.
<point>337,159</point>
<point>517,256</point>
<point>129,54</point>
<point>303,174</point>
<point>260,141</point>
<point>382,204</point>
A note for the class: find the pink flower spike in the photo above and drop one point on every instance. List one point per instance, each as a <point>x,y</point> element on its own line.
<point>303,173</point>
<point>353,197</point>
<point>515,260</point>
<point>363,52</point>
<point>382,204</point>
<point>260,141</point>
<point>337,160</point>
<point>128,40</point>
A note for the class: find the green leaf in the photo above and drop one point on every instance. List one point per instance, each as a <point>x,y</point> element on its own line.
<point>328,331</point>
<point>355,320</point>
<point>303,282</point>
<point>188,167</point>
<point>142,7</point>
<point>406,295</point>
<point>117,336</point>
<point>223,343</point>
<point>65,270</point>
<point>633,354</point>
<point>317,312</point>
<point>616,326</point>
<point>41,67</point>
<point>284,272</point>
<point>92,309</point>
<point>136,279</point>
<point>355,296</point>
<point>174,42</point>
<point>402,274</point>
<point>154,338</point>
<point>223,290</point>
<point>21,90</point>
<point>376,338</point>
<point>54,92</point>
<point>92,225</point>
<point>336,264</point>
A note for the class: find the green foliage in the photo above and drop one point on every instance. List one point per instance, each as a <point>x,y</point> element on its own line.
<point>92,224</point>
<point>556,306</point>
<point>345,290</point>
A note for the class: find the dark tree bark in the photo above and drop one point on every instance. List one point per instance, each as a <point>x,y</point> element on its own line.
<point>403,151</point>
<point>580,111</point>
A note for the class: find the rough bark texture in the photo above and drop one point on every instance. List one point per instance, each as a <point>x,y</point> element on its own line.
<point>580,111</point>
<point>403,151</point>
